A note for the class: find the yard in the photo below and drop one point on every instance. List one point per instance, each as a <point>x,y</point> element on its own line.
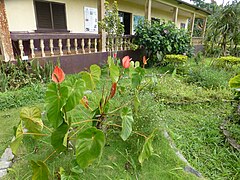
<point>173,114</point>
<point>190,109</point>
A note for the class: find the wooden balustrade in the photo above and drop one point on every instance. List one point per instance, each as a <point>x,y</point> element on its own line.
<point>124,43</point>
<point>36,45</point>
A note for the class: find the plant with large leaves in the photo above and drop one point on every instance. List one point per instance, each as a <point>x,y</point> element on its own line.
<point>64,96</point>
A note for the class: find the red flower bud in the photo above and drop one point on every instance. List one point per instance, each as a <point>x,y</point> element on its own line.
<point>58,75</point>
<point>144,60</point>
<point>126,62</point>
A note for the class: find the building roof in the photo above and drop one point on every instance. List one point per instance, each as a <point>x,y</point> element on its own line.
<point>197,8</point>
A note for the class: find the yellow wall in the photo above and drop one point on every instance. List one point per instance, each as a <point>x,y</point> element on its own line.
<point>21,14</point>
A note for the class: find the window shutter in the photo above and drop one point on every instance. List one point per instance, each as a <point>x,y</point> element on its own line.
<point>43,14</point>
<point>59,16</point>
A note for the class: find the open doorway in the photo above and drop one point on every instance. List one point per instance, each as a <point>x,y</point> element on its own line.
<point>125,19</point>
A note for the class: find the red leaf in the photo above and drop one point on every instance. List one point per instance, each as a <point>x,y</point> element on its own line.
<point>113,90</point>
<point>126,62</point>
<point>58,75</point>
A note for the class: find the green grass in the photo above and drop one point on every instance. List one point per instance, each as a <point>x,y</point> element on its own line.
<point>193,119</point>
<point>8,119</point>
<point>195,130</point>
<point>22,97</point>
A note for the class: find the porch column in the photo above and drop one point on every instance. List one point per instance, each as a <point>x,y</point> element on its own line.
<point>204,27</point>
<point>175,15</point>
<point>102,33</point>
<point>192,23</point>
<point>5,39</point>
<point>148,9</point>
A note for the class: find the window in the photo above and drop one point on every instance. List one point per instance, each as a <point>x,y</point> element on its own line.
<point>50,16</point>
<point>183,25</point>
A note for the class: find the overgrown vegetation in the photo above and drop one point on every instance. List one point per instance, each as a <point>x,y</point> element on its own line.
<point>223,35</point>
<point>15,75</point>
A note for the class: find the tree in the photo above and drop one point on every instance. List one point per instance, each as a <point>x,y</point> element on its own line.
<point>223,29</point>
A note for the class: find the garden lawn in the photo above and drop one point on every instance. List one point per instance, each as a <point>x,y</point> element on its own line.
<point>8,119</point>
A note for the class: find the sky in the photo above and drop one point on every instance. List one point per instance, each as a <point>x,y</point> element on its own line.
<point>208,1</point>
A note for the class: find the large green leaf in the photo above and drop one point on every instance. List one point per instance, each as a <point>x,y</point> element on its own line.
<point>147,149</point>
<point>54,103</point>
<point>32,119</point>
<point>89,146</point>
<point>59,137</point>
<point>114,73</point>
<point>235,82</point>
<point>92,77</point>
<point>40,171</point>
<point>18,138</point>
<point>127,120</point>
<point>75,91</point>
<point>114,70</point>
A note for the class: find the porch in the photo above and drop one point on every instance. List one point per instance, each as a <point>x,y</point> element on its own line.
<point>29,41</point>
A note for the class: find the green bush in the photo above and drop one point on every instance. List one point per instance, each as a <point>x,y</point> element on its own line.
<point>161,38</point>
<point>175,59</point>
<point>226,62</point>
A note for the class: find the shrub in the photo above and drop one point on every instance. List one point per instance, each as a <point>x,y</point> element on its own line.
<point>161,38</point>
<point>175,59</point>
<point>226,62</point>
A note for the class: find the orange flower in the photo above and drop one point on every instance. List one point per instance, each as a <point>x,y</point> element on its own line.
<point>144,60</point>
<point>126,62</point>
<point>113,90</point>
<point>58,75</point>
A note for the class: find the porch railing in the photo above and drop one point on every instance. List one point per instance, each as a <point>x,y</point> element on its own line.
<point>124,43</point>
<point>35,45</point>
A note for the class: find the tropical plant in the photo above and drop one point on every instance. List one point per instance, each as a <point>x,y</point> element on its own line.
<point>161,38</point>
<point>67,133</point>
<point>112,26</point>
<point>223,30</point>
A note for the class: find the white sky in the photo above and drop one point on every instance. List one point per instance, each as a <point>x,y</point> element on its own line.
<point>208,1</point>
